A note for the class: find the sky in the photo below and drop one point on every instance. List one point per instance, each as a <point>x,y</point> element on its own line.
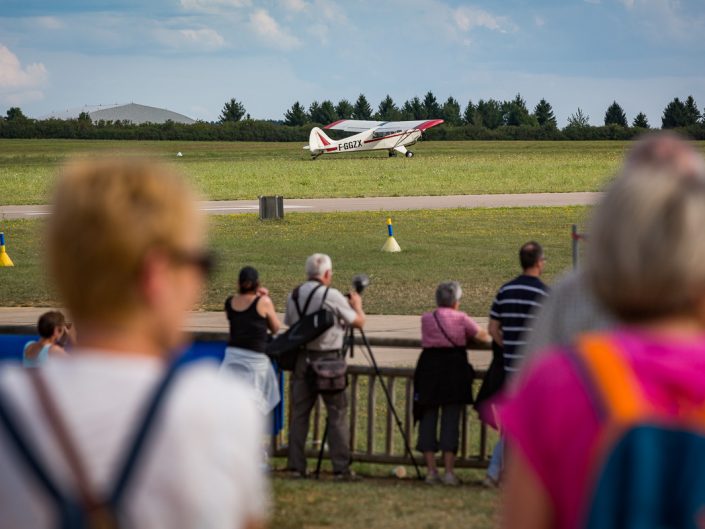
<point>191,56</point>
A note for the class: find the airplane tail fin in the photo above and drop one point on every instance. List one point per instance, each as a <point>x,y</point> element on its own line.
<point>319,142</point>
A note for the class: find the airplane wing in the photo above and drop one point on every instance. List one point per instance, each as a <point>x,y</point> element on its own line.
<point>353,125</point>
<point>387,127</point>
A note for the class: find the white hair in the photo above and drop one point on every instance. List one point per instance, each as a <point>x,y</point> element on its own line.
<point>317,265</point>
<point>448,293</point>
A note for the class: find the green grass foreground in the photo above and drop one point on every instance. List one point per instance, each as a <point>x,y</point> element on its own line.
<point>245,170</point>
<point>387,503</point>
<point>478,247</point>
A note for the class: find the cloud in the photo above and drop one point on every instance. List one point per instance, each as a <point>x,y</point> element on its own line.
<point>294,5</point>
<point>18,84</point>
<point>269,31</point>
<point>214,6</point>
<point>49,23</point>
<point>208,38</point>
<point>468,18</point>
<point>539,21</point>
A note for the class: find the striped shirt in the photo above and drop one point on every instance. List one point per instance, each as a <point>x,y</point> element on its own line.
<point>514,307</point>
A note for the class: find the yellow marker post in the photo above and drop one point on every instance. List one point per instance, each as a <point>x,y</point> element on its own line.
<point>4,258</point>
<point>391,245</point>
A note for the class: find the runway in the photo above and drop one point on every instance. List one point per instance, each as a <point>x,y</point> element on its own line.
<point>291,205</point>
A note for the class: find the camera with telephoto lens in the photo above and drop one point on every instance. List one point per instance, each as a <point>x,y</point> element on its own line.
<point>360,282</point>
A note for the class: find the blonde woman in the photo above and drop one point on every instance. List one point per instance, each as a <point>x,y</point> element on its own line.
<point>607,432</point>
<point>118,429</point>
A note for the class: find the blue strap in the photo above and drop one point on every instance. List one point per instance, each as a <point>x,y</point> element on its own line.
<point>25,450</point>
<point>134,450</point>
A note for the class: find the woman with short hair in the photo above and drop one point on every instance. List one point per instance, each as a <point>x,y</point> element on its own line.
<point>443,379</point>
<point>251,316</point>
<point>127,252</point>
<point>601,433</point>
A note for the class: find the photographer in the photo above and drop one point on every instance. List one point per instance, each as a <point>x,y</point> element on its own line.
<point>309,297</point>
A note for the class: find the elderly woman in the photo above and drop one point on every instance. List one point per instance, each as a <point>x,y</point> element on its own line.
<point>251,315</point>
<point>126,250</point>
<point>608,431</point>
<point>443,379</point>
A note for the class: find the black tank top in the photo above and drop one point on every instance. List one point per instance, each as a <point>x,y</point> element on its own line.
<point>248,329</point>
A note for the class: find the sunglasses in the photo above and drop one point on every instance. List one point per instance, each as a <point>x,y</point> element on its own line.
<point>204,260</point>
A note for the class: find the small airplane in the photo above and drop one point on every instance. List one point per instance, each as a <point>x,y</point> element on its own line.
<point>392,136</point>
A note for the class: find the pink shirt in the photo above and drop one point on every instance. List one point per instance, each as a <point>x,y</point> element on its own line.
<point>457,325</point>
<point>550,418</point>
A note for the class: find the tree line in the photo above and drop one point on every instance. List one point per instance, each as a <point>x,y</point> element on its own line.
<point>489,119</point>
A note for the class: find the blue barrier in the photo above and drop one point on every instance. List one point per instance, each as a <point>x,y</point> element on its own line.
<point>11,346</point>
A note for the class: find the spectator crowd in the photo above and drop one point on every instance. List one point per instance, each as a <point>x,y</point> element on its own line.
<point>599,401</point>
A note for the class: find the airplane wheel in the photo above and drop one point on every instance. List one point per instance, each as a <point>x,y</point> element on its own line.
<point>409,154</point>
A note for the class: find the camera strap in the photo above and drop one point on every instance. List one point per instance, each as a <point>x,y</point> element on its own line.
<point>295,297</point>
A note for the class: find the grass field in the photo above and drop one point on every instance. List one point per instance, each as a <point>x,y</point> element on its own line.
<point>475,246</point>
<point>232,170</point>
<point>388,503</point>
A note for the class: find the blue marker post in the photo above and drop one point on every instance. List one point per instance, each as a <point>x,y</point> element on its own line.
<point>391,244</point>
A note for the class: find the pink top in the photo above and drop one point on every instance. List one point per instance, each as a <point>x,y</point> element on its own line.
<point>457,325</point>
<point>550,418</point>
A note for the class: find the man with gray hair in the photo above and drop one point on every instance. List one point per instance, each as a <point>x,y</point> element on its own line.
<point>308,298</point>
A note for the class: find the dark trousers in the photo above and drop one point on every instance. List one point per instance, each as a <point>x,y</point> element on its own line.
<point>303,400</point>
<point>450,428</point>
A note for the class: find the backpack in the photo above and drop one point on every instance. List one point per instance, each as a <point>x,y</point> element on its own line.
<point>285,347</point>
<point>87,511</point>
<point>650,466</point>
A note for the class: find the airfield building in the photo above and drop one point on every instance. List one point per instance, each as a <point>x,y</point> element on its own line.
<point>132,112</point>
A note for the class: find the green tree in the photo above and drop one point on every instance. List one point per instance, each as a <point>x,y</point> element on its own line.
<point>470,114</point>
<point>615,115</point>
<point>323,113</point>
<point>85,117</point>
<point>344,109</point>
<point>490,113</point>
<point>413,109</point>
<point>516,114</point>
<point>692,112</point>
<point>579,120</point>
<point>640,121</point>
<point>15,114</point>
<point>543,112</point>
<point>387,110</point>
<point>362,109</point>
<point>314,112</point>
<point>674,115</point>
<point>233,110</point>
<point>450,112</point>
<point>431,107</point>
<point>296,115</point>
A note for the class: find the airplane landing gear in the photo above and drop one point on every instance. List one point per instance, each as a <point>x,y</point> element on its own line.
<point>409,154</point>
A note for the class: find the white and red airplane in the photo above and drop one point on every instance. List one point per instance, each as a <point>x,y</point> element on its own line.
<point>392,136</point>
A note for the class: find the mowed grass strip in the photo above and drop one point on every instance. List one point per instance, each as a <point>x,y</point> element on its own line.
<point>477,247</point>
<point>246,170</point>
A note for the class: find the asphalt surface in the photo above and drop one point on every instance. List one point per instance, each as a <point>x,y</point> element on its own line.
<point>230,207</point>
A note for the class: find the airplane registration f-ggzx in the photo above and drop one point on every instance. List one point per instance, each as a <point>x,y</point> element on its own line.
<point>392,136</point>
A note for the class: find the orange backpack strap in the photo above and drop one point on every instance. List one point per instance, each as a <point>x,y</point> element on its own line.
<point>611,378</point>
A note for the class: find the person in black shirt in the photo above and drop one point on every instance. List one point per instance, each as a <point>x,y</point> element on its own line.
<point>251,316</point>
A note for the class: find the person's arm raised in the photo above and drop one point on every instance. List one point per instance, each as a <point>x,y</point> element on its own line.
<point>267,307</point>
